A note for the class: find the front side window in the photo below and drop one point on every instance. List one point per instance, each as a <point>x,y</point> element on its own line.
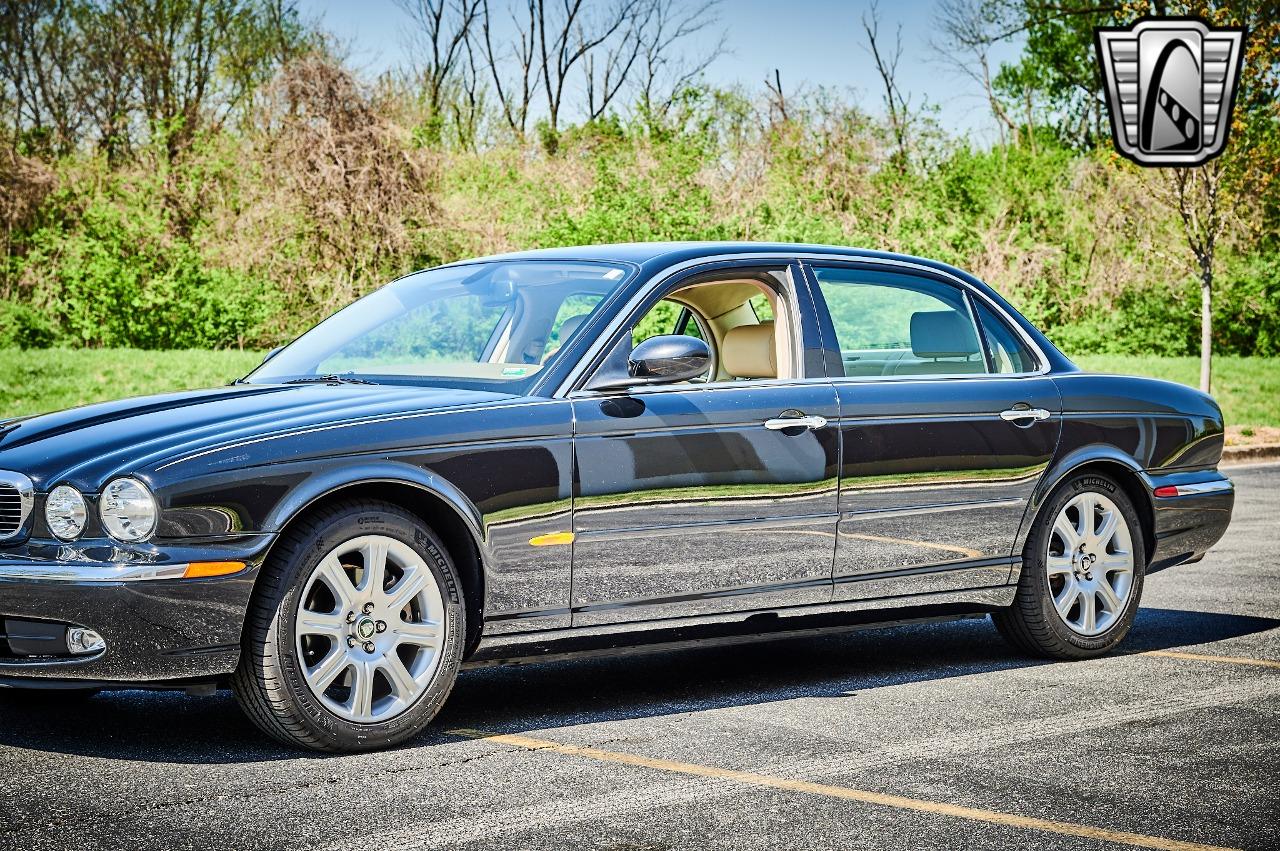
<point>889,324</point>
<point>483,325</point>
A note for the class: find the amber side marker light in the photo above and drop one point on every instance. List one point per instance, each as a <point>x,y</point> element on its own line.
<point>552,540</point>
<point>205,569</point>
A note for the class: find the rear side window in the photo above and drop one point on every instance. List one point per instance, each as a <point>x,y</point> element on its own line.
<point>890,324</point>
<point>1009,355</point>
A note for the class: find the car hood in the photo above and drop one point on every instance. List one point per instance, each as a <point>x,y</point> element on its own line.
<point>86,446</point>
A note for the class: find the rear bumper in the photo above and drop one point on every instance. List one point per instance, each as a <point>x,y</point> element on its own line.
<point>1188,524</point>
<point>156,628</point>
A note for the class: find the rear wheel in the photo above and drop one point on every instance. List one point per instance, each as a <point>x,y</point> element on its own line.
<point>354,637</point>
<point>1082,573</point>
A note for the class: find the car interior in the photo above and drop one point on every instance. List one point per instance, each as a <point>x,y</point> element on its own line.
<point>939,342</point>
<point>744,320</point>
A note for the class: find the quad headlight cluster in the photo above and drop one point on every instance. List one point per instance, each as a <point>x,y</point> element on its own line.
<point>125,506</point>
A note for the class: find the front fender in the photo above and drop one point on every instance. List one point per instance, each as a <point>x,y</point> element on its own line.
<point>328,482</point>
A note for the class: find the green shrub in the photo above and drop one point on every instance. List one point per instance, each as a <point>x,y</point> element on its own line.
<point>24,327</point>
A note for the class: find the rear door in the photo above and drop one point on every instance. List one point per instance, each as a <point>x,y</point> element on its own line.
<point>946,427</point>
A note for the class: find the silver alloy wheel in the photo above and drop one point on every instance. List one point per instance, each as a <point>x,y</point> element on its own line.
<point>369,628</point>
<point>1090,563</point>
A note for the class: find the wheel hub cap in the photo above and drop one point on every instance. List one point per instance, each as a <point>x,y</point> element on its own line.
<point>369,629</point>
<point>1090,563</point>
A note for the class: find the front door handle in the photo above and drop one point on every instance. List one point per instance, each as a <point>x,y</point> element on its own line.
<point>780,423</point>
<point>1015,414</point>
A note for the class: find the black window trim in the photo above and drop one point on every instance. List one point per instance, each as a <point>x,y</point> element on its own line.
<point>660,284</point>
<point>986,340</point>
<point>799,262</point>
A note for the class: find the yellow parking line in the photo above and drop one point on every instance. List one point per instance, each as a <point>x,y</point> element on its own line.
<point>881,539</point>
<point>1202,657</point>
<point>766,781</point>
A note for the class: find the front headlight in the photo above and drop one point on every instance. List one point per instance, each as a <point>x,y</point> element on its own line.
<point>65,512</point>
<point>128,510</point>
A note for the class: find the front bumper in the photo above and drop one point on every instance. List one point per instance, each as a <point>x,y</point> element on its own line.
<point>1188,524</point>
<point>157,627</point>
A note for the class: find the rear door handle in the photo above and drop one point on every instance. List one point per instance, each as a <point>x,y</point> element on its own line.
<point>1015,414</point>
<point>780,423</point>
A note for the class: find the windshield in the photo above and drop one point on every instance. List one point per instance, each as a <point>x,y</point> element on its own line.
<point>490,326</point>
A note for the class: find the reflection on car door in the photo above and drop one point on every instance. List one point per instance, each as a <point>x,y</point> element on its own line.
<point>937,472</point>
<point>685,500</point>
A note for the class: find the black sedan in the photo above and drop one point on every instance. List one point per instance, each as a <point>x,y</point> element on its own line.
<point>591,448</point>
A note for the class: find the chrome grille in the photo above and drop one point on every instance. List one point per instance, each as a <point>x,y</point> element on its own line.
<point>16,498</point>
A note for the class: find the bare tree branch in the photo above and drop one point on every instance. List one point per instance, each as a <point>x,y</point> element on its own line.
<point>887,66</point>
<point>777,99</point>
<point>515,96</point>
<point>619,58</point>
<point>663,73</point>
<point>567,35</point>
<point>970,29</point>
<point>443,29</point>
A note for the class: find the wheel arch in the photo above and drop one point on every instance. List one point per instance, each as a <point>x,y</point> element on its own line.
<point>434,500</point>
<point>1103,460</point>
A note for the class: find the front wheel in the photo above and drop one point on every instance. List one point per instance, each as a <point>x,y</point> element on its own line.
<point>354,636</point>
<point>1082,572</point>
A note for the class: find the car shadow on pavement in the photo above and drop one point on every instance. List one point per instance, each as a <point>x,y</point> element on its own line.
<point>171,727</point>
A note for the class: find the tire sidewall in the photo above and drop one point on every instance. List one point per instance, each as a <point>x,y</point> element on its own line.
<point>337,732</point>
<point>1036,569</point>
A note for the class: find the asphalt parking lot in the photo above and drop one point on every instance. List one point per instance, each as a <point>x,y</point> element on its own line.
<point>923,736</point>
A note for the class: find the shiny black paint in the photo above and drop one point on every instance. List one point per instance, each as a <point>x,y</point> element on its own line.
<point>686,504</point>
<point>683,505</point>
<point>933,477</point>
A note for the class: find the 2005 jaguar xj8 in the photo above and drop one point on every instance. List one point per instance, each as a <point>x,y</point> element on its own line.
<point>591,447</point>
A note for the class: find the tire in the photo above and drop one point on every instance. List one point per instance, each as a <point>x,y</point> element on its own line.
<point>303,625</point>
<point>1052,561</point>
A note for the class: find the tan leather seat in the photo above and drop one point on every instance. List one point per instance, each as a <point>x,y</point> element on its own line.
<point>750,351</point>
<point>568,328</point>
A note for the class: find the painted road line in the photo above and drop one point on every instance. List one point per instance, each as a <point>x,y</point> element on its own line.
<point>748,778</point>
<point>1202,657</point>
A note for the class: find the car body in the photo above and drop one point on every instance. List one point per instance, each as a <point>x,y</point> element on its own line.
<point>878,480</point>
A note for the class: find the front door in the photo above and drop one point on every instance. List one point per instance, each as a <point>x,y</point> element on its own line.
<point>946,430</point>
<point>716,495</point>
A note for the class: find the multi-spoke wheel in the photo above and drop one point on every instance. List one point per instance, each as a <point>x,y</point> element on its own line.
<point>1081,573</point>
<point>355,634</point>
<point>368,628</point>
<point>1090,563</point>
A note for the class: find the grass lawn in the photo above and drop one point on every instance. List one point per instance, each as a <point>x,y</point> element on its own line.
<point>1248,389</point>
<point>38,380</point>
<point>34,381</point>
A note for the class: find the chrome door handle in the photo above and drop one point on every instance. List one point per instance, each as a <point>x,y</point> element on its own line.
<point>781,423</point>
<point>1015,414</point>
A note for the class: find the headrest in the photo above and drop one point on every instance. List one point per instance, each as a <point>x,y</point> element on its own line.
<point>942,334</point>
<point>750,352</point>
<point>570,326</point>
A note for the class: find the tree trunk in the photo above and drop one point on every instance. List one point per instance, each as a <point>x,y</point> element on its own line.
<point>1206,328</point>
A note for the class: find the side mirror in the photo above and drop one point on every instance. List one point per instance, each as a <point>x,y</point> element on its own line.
<point>272,354</point>
<point>665,359</point>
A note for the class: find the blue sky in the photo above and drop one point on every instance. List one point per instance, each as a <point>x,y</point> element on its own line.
<point>818,42</point>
